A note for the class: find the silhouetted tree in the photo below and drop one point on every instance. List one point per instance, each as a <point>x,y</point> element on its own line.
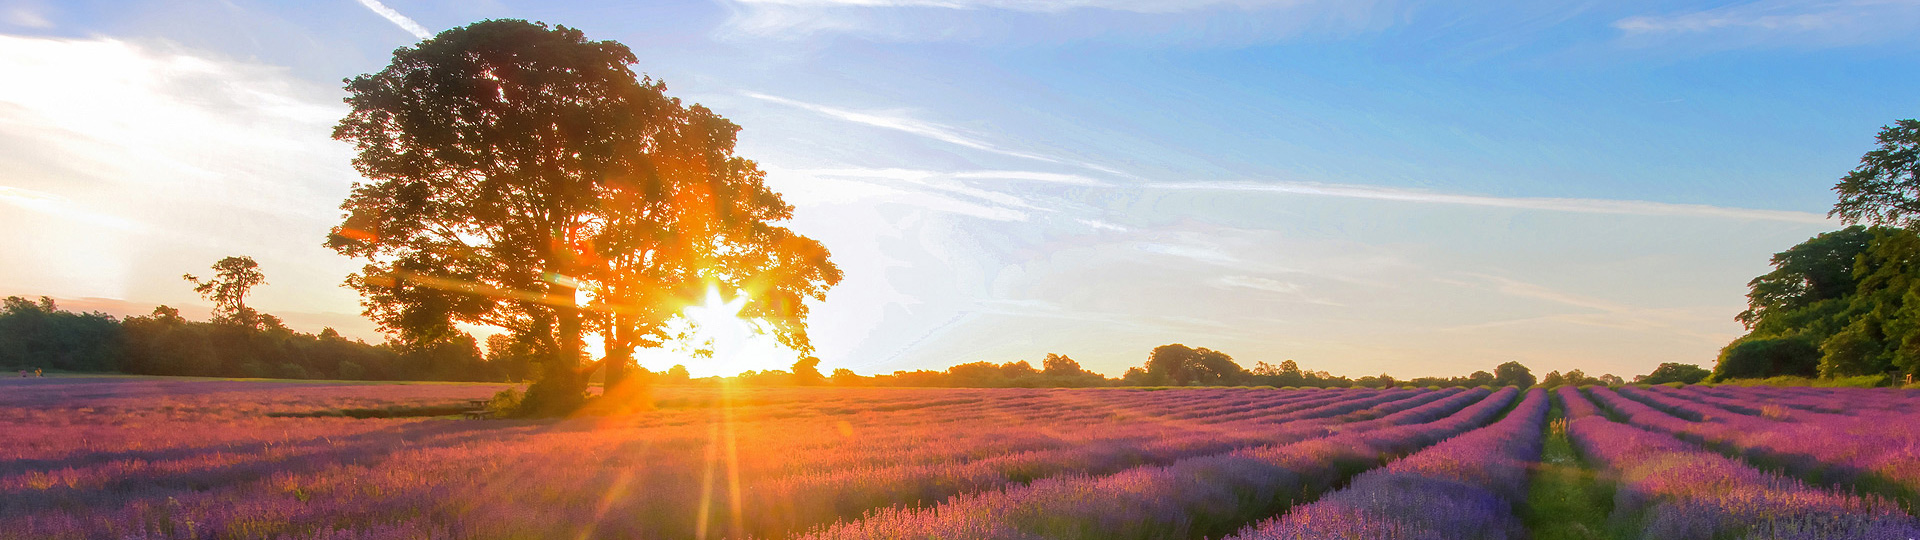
<point>1512,374</point>
<point>846,377</point>
<point>1181,365</point>
<point>1141,377</point>
<point>806,372</point>
<point>1670,372</point>
<point>1056,365</point>
<point>233,279</point>
<point>1479,378</point>
<point>40,334</point>
<point>513,165</point>
<point>1759,358</point>
<point>1553,379</point>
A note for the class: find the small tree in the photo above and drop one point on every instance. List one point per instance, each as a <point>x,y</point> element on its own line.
<point>806,372</point>
<point>233,279</point>
<point>1512,374</point>
<point>1674,372</point>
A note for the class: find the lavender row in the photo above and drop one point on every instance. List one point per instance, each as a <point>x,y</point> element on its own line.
<point>807,499</point>
<point>481,484</point>
<point>1670,489</point>
<point>1873,452</point>
<point>1465,487</point>
<point>1846,401</point>
<point>1188,498</point>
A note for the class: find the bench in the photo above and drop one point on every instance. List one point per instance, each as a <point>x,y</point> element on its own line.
<point>477,409</point>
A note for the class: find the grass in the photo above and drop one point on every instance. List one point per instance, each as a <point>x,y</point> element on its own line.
<point>391,411</point>
<point>1567,499</point>
<point>1863,381</point>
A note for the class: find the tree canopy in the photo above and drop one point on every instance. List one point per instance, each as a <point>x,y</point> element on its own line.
<point>1847,302</point>
<point>1513,374</point>
<point>1180,365</point>
<point>523,177</point>
<point>233,279</point>
<point>1672,372</point>
<point>1885,188</point>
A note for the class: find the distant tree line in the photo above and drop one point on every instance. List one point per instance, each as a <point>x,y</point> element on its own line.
<point>1167,365</point>
<point>38,334</point>
<point>239,341</point>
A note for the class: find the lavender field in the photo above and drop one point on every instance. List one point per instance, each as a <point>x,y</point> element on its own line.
<point>149,458</point>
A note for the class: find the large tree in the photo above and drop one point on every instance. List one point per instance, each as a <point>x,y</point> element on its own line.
<point>697,216</point>
<point>1183,365</point>
<point>523,177</point>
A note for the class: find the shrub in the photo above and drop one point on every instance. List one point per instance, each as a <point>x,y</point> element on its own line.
<point>506,402</point>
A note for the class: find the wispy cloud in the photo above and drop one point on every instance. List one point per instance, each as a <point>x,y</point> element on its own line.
<point>1260,284</point>
<point>1056,178</point>
<point>1043,6</point>
<point>1552,204</point>
<point>928,189</point>
<point>23,16</point>
<point>1776,22</point>
<point>397,19</point>
<point>1184,251</point>
<point>1601,312</point>
<point>930,130</point>
<point>1232,23</point>
<point>57,206</point>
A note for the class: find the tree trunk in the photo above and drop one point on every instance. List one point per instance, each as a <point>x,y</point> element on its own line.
<point>563,388</point>
<point>619,351</point>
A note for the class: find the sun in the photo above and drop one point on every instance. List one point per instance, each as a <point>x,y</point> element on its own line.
<point>717,328</point>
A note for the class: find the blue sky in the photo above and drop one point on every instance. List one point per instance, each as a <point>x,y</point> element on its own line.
<point>1420,188</point>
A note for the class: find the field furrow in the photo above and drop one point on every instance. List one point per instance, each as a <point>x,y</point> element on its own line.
<point>1189,498</point>
<point>1463,488</point>
<point>1671,489</point>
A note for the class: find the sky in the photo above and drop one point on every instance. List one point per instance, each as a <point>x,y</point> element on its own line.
<point>1411,187</point>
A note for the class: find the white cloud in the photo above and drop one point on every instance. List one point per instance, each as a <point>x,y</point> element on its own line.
<point>139,162</point>
<point>397,19</point>
<point>1552,204</point>
<point>1260,284</point>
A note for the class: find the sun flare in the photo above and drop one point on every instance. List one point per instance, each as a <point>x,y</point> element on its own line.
<point>717,328</point>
